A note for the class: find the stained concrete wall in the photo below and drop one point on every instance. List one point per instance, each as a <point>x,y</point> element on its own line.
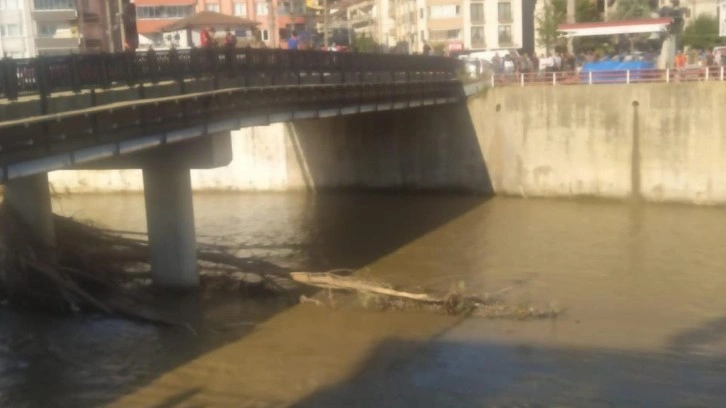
<point>432,148</point>
<point>661,142</point>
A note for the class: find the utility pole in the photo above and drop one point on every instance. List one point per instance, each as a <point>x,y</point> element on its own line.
<point>325,23</point>
<point>571,19</point>
<point>121,23</point>
<point>272,24</point>
<point>109,27</point>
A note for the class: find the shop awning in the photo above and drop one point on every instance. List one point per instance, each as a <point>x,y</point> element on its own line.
<point>205,19</point>
<point>651,25</point>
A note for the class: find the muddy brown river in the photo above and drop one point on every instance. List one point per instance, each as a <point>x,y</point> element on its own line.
<point>642,286</point>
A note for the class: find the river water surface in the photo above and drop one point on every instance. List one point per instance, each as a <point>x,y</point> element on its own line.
<point>642,285</point>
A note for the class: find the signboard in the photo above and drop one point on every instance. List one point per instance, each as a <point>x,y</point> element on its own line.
<point>722,18</point>
<point>456,46</point>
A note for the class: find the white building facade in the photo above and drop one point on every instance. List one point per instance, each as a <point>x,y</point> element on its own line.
<point>16,29</point>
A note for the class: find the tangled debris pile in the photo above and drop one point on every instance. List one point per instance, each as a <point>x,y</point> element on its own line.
<point>91,268</point>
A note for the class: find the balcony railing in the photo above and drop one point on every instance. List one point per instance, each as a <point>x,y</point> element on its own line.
<point>697,74</point>
<point>56,42</point>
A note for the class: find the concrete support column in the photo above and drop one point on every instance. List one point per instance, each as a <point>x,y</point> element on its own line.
<point>29,197</point>
<point>170,221</point>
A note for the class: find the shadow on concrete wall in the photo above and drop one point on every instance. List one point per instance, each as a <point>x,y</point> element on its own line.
<point>445,373</point>
<point>423,149</point>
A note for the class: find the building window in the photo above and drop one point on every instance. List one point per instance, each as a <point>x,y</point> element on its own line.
<point>446,11</point>
<point>505,35</point>
<point>240,9</point>
<point>505,12</point>
<point>476,11</point>
<point>444,35</point>
<point>9,4</point>
<point>47,30</point>
<point>477,37</point>
<point>54,4</point>
<point>11,30</point>
<point>160,12</point>
<point>421,12</point>
<point>212,7</point>
<point>261,9</point>
<point>423,36</point>
<point>265,35</point>
<point>298,7</point>
<point>284,8</point>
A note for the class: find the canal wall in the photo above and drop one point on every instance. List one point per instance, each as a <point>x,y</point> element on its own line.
<point>658,142</point>
<point>426,148</point>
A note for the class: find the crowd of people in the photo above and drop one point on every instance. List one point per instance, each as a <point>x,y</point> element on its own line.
<point>511,63</point>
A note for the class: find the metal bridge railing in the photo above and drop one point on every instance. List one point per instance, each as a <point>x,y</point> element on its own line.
<point>46,75</point>
<point>689,74</point>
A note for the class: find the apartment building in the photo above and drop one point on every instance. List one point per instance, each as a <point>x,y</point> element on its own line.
<point>51,27</point>
<point>479,24</point>
<point>16,29</point>
<point>454,24</point>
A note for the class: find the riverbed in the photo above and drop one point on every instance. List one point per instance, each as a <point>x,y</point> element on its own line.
<point>641,286</point>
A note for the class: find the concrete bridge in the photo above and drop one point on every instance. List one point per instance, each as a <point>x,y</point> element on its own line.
<point>169,112</point>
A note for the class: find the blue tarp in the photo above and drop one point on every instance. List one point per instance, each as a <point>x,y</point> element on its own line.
<point>614,71</point>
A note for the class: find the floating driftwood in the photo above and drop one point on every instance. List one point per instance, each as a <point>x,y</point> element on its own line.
<point>491,305</point>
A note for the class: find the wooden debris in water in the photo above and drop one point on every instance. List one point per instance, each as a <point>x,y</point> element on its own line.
<point>375,295</point>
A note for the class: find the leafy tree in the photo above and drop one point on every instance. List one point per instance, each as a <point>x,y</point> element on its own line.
<point>631,9</point>
<point>553,14</point>
<point>702,32</point>
<point>363,43</point>
<point>586,11</point>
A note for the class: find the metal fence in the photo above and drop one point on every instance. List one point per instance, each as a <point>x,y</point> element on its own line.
<point>45,75</point>
<point>609,77</point>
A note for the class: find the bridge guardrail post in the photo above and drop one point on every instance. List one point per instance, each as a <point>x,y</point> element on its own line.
<point>9,77</point>
<point>230,61</point>
<point>195,62</point>
<point>75,75</point>
<point>152,66</point>
<point>214,65</point>
<point>103,67</point>
<point>41,82</point>
<point>247,68</point>
<point>128,61</point>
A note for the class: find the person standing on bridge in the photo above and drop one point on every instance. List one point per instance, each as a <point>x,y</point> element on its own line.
<point>292,42</point>
<point>230,40</point>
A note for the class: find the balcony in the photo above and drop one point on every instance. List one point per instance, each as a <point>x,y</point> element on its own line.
<point>54,15</point>
<point>56,43</point>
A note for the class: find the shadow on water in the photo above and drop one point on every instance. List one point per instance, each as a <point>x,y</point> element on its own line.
<point>450,373</point>
<point>91,360</point>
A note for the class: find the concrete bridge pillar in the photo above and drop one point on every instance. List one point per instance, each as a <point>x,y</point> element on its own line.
<point>170,221</point>
<point>29,197</point>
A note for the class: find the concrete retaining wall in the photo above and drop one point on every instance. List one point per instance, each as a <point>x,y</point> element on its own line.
<point>661,142</point>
